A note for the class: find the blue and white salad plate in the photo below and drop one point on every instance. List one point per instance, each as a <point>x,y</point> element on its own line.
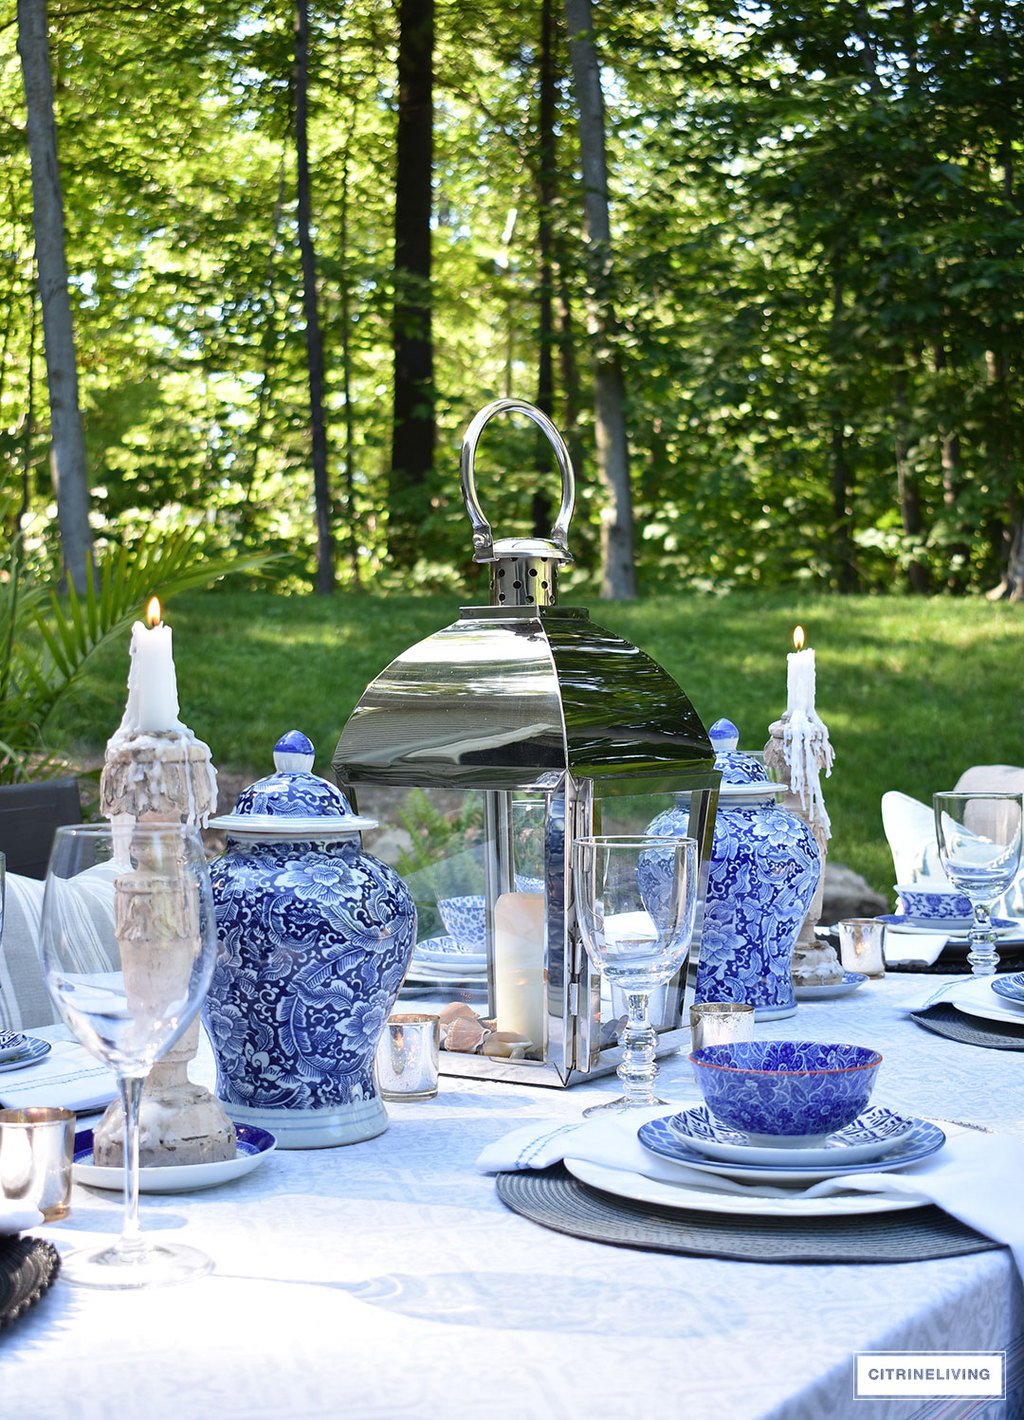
<point>828,991</point>
<point>871,1135</point>
<point>34,1049</point>
<point>1011,988</point>
<point>253,1146</point>
<point>658,1136</point>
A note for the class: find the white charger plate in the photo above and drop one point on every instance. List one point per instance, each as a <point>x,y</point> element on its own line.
<point>871,1135</point>
<point>254,1145</point>
<point>711,1200</point>
<point>830,990</point>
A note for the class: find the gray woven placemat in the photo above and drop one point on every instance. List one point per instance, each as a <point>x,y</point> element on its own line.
<point>946,1020</point>
<point>28,1267</point>
<point>553,1198</point>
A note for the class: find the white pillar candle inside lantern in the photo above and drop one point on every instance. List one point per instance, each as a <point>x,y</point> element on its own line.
<point>520,1002</point>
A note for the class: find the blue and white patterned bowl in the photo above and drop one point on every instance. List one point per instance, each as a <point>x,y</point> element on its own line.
<point>790,1088</point>
<point>938,903</point>
<point>465,921</point>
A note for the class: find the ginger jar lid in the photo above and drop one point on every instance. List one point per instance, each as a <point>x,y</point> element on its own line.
<point>743,774</point>
<point>292,803</point>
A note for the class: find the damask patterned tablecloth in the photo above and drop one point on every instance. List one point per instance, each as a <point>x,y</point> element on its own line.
<point>386,1281</point>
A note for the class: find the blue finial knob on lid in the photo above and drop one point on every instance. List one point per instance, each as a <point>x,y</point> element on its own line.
<point>724,735</point>
<point>294,753</point>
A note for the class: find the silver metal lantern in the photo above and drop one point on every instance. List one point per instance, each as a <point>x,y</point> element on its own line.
<point>507,735</point>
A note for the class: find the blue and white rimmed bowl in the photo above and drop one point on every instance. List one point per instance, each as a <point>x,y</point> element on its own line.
<point>779,1090</point>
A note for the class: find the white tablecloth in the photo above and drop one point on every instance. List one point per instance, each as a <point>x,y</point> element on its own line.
<point>386,1280</point>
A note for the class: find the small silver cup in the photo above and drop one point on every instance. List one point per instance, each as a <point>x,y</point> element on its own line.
<point>36,1151</point>
<point>862,945</point>
<point>407,1057</point>
<point>720,1023</point>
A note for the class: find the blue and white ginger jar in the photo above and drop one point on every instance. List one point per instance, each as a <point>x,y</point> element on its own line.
<point>316,938</point>
<point>764,870</point>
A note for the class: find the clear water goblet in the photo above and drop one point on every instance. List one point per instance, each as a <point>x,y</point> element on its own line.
<point>128,943</point>
<point>636,900</point>
<point>979,840</point>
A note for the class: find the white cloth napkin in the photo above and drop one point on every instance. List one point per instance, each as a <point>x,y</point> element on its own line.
<point>15,1218</point>
<point>968,991</point>
<point>975,1177</point>
<point>67,1078</point>
<point>904,947</point>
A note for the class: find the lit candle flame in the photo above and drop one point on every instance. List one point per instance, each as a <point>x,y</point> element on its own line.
<point>798,637</point>
<point>154,613</point>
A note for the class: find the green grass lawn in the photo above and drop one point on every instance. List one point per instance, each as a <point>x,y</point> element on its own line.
<point>913,691</point>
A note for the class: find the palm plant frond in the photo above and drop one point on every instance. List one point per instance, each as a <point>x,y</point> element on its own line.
<point>47,637</point>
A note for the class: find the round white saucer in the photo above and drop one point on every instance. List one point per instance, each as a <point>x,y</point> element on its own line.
<point>828,992</point>
<point>253,1146</point>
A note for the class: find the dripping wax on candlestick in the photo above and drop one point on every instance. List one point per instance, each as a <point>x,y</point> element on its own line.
<point>805,740</point>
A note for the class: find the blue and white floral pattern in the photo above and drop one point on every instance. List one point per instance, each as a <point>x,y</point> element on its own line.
<point>763,874</point>
<point>786,1087</point>
<point>317,938</point>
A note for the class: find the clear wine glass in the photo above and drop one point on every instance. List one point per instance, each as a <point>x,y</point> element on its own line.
<point>979,839</point>
<point>636,900</point>
<point>128,942</point>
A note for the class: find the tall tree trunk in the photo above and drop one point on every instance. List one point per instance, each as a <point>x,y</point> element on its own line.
<point>546,186</point>
<point>268,357</point>
<point>618,572</point>
<point>67,444</point>
<point>314,339</point>
<point>949,462</point>
<point>352,536</point>
<point>906,484</point>
<point>844,566</point>
<point>413,421</point>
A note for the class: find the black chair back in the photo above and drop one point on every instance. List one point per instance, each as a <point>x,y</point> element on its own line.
<point>30,814</point>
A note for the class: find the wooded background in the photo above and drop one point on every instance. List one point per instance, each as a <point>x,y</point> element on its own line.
<point>762,263</point>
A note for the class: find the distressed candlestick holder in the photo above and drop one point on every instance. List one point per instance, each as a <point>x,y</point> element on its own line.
<point>162,777</point>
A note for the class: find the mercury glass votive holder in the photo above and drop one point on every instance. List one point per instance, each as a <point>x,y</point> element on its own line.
<point>407,1057</point>
<point>36,1150</point>
<point>862,945</point>
<point>720,1023</point>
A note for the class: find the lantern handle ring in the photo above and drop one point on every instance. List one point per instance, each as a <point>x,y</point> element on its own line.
<point>483,538</point>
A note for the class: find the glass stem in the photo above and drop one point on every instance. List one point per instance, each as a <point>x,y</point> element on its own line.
<point>130,1087</point>
<point>982,955</point>
<point>637,1069</point>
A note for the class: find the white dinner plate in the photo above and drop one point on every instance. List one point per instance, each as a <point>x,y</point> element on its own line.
<point>34,1051</point>
<point>711,1200</point>
<point>254,1145</point>
<point>868,1137</point>
<point>830,990</point>
<point>986,1012</point>
<point>919,1143</point>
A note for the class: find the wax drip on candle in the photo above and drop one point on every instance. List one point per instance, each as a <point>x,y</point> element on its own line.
<point>805,740</point>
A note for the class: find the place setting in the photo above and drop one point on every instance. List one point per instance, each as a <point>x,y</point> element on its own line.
<point>785,1159</point>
